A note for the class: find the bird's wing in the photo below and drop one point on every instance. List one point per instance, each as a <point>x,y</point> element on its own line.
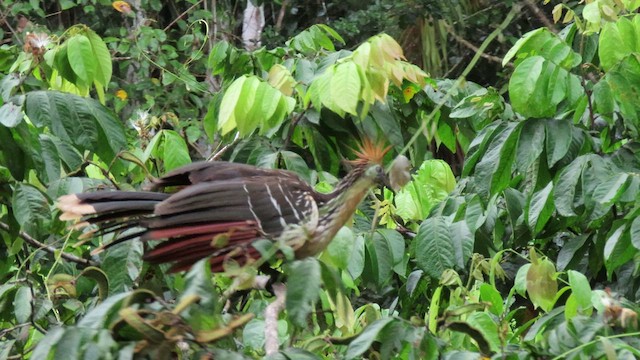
<point>213,171</point>
<point>218,217</point>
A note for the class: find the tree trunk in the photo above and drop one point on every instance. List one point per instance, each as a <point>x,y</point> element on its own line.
<point>252,25</point>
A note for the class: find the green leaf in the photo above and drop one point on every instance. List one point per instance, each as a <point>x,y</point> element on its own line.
<point>81,58</point>
<point>381,259</point>
<point>30,206</point>
<point>610,190</point>
<point>565,188</point>
<point>538,86</point>
<point>23,304</point>
<point>558,140</point>
<point>530,143</point>
<point>339,250</point>
<point>303,288</point>
<point>540,209</point>
<point>50,340</point>
<point>618,40</point>
<point>83,122</point>
<point>345,87</point>
<point>542,42</point>
<point>226,117</point>
<point>363,342</point>
<point>572,251</point>
<point>520,282</point>
<point>97,317</point>
<point>493,172</point>
<point>488,293</point>
<point>624,81</point>
<point>462,241</point>
<point>635,232</point>
<point>581,289</point>
<point>102,58</point>
<point>69,345</point>
<point>175,152</point>
<point>123,264</point>
<point>434,247</point>
<point>618,250</point>
<point>483,322</point>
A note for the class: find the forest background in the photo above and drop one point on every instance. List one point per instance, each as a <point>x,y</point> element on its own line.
<point>518,237</point>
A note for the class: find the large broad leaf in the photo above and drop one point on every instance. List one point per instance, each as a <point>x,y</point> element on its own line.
<point>430,185</point>
<point>618,40</point>
<point>618,250</point>
<point>81,58</point>
<point>175,152</point>
<point>542,42</point>
<point>433,247</point>
<point>345,87</point>
<point>493,171</point>
<point>303,288</point>
<point>530,143</point>
<point>540,209</point>
<point>251,103</point>
<point>538,86</point>
<point>558,140</point>
<point>565,187</point>
<point>624,81</point>
<point>84,122</point>
<point>363,342</point>
<point>102,58</point>
<point>30,206</point>
<point>123,264</point>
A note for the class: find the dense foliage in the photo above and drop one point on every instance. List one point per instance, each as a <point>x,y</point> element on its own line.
<point>527,246</point>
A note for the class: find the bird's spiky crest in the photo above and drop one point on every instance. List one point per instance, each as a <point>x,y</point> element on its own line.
<point>370,152</point>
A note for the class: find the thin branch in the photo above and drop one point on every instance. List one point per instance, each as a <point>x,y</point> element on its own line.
<point>218,154</point>
<point>271,319</point>
<point>474,48</point>
<point>181,15</point>
<point>292,128</point>
<point>50,249</point>
<point>540,15</point>
<point>283,11</point>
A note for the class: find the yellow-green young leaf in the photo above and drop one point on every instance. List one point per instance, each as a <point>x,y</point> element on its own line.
<point>345,87</point>
<point>542,285</point>
<point>378,83</point>
<point>102,57</point>
<point>281,79</point>
<point>557,13</point>
<point>81,58</point>
<point>226,117</point>
<point>362,54</point>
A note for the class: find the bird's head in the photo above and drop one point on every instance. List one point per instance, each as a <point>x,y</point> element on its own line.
<point>369,158</point>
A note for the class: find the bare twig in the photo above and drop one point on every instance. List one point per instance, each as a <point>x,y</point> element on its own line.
<point>50,249</point>
<point>271,319</point>
<point>181,15</point>
<point>540,15</point>
<point>283,11</point>
<point>474,48</point>
<point>218,154</point>
<point>292,128</point>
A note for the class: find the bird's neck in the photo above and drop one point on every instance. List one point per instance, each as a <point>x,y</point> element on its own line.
<point>337,211</point>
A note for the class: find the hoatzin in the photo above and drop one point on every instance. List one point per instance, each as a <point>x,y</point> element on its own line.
<point>221,208</point>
